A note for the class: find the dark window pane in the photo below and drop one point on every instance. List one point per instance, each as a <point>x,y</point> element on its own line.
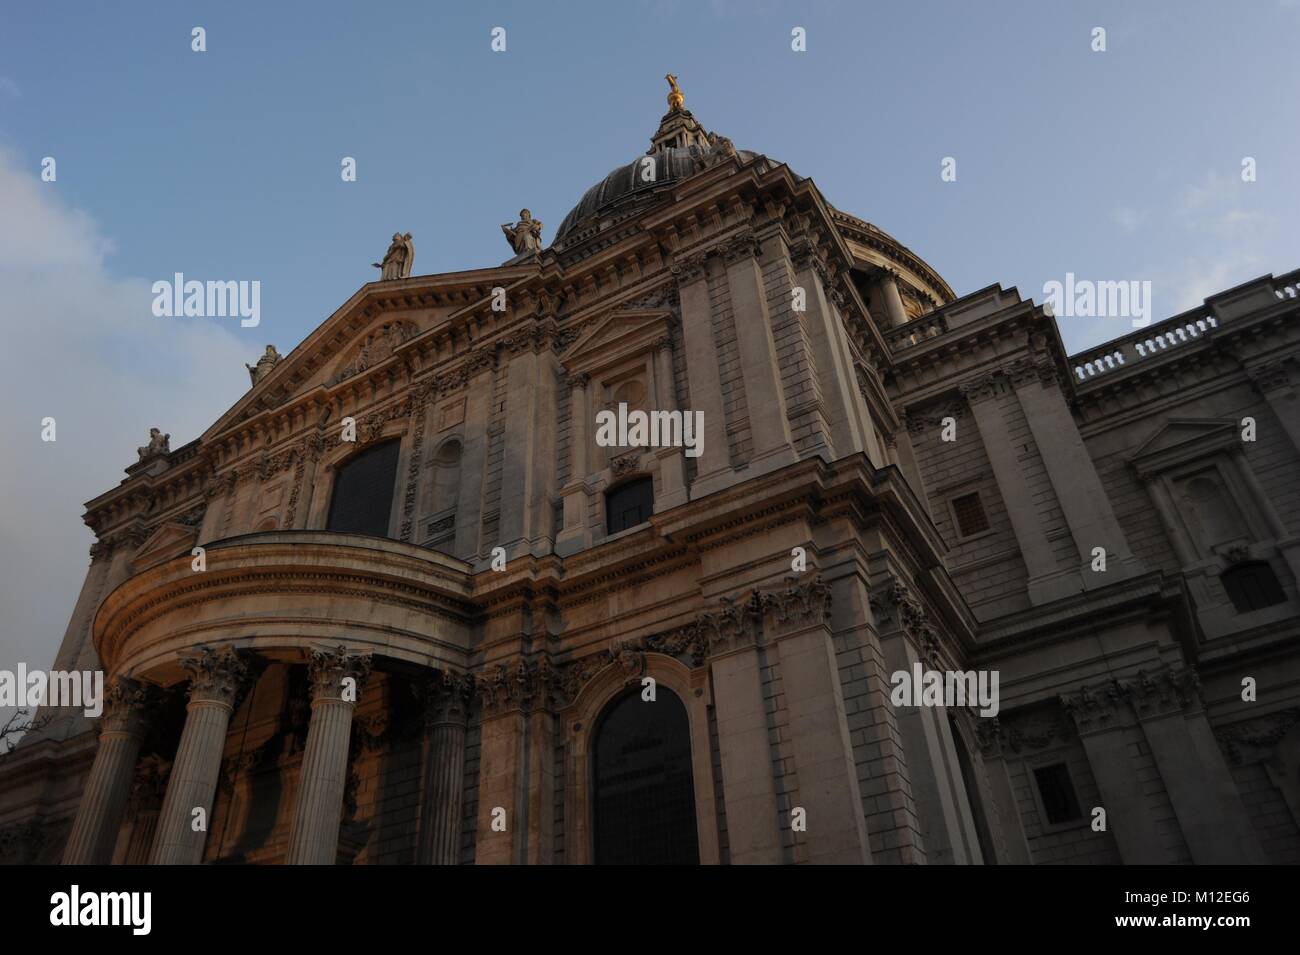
<point>644,793</point>
<point>363,492</point>
<point>1252,586</point>
<point>1057,794</point>
<point>629,504</point>
<point>971,518</point>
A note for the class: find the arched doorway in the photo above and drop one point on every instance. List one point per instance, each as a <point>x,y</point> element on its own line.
<point>643,795</point>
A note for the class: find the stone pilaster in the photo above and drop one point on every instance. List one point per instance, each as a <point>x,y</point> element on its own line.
<point>99,817</point>
<point>446,704</point>
<point>769,424</point>
<point>1107,728</point>
<point>796,623</point>
<point>907,638</point>
<point>1011,843</point>
<point>846,410</point>
<point>1083,500</point>
<point>1274,380</point>
<point>713,467</point>
<point>1046,583</point>
<point>576,493</point>
<point>672,461</point>
<point>216,680</point>
<point>1205,798</point>
<point>336,680</point>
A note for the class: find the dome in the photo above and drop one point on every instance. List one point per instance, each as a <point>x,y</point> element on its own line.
<point>626,183</point>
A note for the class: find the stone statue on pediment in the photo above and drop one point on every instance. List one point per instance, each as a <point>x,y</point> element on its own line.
<point>525,235</point>
<point>398,259</point>
<point>159,443</point>
<point>264,364</point>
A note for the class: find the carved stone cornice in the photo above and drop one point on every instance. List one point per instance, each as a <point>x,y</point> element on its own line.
<point>328,667</point>
<point>216,676</point>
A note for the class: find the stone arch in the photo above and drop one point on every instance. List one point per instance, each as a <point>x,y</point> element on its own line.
<point>580,720</point>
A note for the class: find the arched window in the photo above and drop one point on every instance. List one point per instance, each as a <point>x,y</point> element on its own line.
<point>362,502</point>
<point>629,504</point>
<point>1251,586</point>
<point>644,793</point>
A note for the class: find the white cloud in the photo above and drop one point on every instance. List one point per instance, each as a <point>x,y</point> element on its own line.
<point>81,345</point>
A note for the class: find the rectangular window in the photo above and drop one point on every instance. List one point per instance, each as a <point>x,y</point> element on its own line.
<point>1056,793</point>
<point>969,512</point>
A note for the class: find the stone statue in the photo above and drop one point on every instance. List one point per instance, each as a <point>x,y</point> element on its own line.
<point>675,98</point>
<point>525,235</point>
<point>264,364</point>
<point>398,259</point>
<point>158,444</point>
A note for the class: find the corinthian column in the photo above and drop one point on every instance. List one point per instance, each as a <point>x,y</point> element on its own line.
<point>217,677</point>
<point>446,700</point>
<point>102,803</point>
<point>336,680</point>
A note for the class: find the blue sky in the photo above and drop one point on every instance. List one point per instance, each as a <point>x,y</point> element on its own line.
<point>225,165</point>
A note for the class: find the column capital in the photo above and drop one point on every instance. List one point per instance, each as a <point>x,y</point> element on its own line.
<point>128,705</point>
<point>445,697</point>
<point>577,382</point>
<point>690,268</point>
<point>329,667</point>
<point>1271,376</point>
<point>216,675</point>
<point>741,247</point>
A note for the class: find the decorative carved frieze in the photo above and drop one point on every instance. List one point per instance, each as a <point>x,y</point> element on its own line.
<point>1261,734</point>
<point>413,476</point>
<point>1146,695</point>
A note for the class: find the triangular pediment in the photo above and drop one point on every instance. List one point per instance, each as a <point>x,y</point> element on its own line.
<point>621,333</point>
<point>169,540</point>
<point>364,332</point>
<point>1180,439</point>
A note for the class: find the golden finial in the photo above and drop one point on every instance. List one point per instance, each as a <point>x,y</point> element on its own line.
<point>675,98</point>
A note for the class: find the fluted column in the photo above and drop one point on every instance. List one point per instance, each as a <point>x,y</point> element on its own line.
<point>125,721</point>
<point>217,677</point>
<point>446,700</point>
<point>336,680</point>
<point>887,283</point>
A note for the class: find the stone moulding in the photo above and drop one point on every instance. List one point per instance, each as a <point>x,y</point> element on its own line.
<point>526,683</point>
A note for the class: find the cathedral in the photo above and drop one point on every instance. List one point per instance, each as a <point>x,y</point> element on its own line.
<point>408,601</point>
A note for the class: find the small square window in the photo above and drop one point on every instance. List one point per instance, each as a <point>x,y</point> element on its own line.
<point>1056,793</point>
<point>969,512</point>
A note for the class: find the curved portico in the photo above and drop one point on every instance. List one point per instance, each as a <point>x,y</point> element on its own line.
<point>340,603</point>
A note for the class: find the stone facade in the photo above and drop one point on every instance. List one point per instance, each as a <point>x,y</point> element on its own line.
<point>436,695</point>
